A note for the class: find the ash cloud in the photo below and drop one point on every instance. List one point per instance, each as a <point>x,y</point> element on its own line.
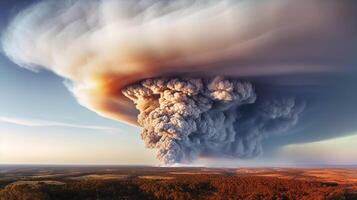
<point>116,52</point>
<point>103,46</point>
<point>184,118</point>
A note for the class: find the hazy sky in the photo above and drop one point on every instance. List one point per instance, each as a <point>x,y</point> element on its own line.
<point>41,122</point>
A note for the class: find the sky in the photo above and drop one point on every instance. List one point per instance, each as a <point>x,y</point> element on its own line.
<point>42,122</point>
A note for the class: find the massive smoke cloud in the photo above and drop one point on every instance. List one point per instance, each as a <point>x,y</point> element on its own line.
<point>187,117</point>
<point>152,51</point>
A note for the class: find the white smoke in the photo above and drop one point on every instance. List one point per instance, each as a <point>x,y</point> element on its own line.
<point>105,47</point>
<point>184,118</point>
<point>101,46</point>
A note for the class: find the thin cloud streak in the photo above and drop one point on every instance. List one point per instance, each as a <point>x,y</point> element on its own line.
<point>46,123</point>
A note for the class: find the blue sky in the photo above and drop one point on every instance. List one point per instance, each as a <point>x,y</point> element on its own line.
<point>36,109</point>
<point>41,122</point>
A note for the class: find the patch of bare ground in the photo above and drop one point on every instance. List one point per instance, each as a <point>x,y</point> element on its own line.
<point>194,173</point>
<point>100,177</point>
<point>341,176</point>
<point>345,176</point>
<point>49,182</point>
<point>157,177</point>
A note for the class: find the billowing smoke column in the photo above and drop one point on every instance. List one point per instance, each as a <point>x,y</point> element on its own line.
<point>107,48</point>
<point>187,117</point>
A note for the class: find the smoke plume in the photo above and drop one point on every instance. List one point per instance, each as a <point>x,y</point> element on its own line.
<point>188,117</point>
<point>115,52</point>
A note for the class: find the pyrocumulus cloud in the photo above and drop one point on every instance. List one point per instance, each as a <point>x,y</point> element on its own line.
<point>185,117</point>
<point>188,65</point>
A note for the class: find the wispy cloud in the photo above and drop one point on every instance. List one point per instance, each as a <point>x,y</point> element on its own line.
<point>46,123</point>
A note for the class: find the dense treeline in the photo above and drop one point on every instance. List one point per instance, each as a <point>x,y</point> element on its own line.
<point>183,187</point>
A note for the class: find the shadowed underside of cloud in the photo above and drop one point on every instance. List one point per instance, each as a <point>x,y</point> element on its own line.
<point>299,49</point>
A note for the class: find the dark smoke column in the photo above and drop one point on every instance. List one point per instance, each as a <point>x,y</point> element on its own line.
<point>187,117</point>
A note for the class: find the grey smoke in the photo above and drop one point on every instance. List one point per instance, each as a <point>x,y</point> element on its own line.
<point>303,49</point>
<point>184,118</point>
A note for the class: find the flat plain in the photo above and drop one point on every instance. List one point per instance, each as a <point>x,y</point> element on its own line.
<point>142,182</point>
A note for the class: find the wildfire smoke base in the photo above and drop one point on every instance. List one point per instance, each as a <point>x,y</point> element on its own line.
<point>184,118</point>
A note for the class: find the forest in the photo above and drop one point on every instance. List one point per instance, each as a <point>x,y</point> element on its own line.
<point>174,186</point>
